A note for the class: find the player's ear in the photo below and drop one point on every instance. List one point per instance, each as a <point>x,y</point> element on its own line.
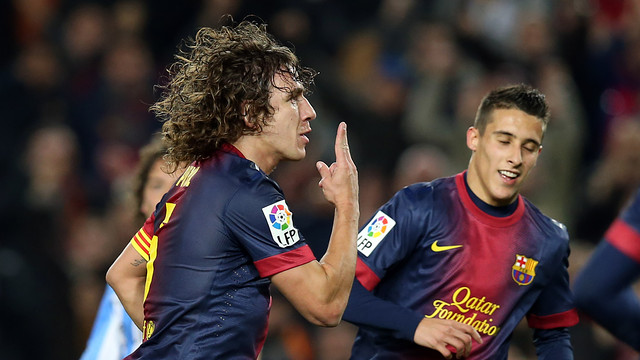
<point>473,135</point>
<point>245,113</point>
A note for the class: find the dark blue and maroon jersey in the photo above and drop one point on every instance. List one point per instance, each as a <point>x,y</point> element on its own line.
<point>604,286</point>
<point>624,233</point>
<point>432,250</point>
<point>211,245</point>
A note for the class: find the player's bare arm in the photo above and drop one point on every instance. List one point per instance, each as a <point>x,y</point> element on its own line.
<point>320,290</point>
<point>127,276</point>
<point>438,333</point>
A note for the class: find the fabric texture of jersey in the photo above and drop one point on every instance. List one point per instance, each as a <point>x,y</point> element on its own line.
<point>212,243</point>
<point>624,233</point>
<point>604,287</point>
<point>114,335</point>
<point>432,250</point>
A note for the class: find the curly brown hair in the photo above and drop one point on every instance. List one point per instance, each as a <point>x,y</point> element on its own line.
<point>218,79</point>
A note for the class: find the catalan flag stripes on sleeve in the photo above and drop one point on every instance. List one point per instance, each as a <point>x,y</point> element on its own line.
<point>141,241</point>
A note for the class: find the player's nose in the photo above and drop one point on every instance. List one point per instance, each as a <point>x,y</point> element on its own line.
<point>307,112</point>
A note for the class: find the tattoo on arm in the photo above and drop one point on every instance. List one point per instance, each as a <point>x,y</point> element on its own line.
<point>139,261</point>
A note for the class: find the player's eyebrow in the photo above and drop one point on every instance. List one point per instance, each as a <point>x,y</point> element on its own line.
<point>296,92</point>
<point>506,133</point>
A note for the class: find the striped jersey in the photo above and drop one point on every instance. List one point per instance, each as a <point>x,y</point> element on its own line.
<point>624,233</point>
<point>211,245</point>
<point>431,249</point>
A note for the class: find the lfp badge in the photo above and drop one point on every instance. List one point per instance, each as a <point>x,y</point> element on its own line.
<point>280,222</point>
<point>371,235</point>
<point>523,271</point>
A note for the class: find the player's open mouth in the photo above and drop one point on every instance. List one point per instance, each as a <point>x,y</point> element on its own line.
<point>305,133</point>
<point>304,136</point>
<point>508,174</point>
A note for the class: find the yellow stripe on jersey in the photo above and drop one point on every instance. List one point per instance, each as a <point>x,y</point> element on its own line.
<point>152,257</point>
<point>153,248</point>
<point>169,210</point>
<point>142,244</point>
<point>185,179</point>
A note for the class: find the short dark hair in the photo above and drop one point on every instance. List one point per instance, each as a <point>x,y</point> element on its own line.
<point>218,78</point>
<point>522,97</point>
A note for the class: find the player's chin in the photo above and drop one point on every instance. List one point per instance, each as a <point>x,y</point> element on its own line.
<point>300,154</point>
<point>504,198</point>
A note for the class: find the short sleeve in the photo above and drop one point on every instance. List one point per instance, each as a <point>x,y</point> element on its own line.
<point>555,307</point>
<point>389,236</point>
<point>624,233</point>
<point>141,241</point>
<point>260,219</point>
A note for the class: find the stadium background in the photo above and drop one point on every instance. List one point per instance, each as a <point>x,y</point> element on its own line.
<point>76,78</point>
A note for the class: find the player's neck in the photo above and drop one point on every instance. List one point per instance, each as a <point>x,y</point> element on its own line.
<point>252,149</point>
<point>498,211</point>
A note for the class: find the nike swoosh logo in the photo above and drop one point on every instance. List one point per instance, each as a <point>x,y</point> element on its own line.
<point>437,248</point>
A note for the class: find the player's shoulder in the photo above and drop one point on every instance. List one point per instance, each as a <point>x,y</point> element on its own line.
<point>236,171</point>
<point>428,190</point>
<point>226,179</point>
<point>547,224</point>
<point>418,201</point>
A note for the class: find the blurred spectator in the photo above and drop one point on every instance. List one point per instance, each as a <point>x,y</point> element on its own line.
<point>76,78</point>
<point>34,283</point>
<point>288,335</point>
<point>373,101</point>
<point>553,183</point>
<point>114,335</point>
<point>30,96</point>
<point>441,73</point>
<point>419,163</point>
<point>614,178</point>
<point>129,18</point>
<point>335,343</point>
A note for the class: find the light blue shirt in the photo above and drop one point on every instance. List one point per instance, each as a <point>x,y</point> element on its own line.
<point>114,334</point>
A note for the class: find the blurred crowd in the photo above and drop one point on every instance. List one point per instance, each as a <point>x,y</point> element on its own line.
<point>77,77</point>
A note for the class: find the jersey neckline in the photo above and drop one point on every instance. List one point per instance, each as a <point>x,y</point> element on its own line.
<point>483,216</point>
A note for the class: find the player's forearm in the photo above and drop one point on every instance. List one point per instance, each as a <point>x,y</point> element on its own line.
<point>603,291</point>
<point>553,344</point>
<point>127,276</point>
<point>131,293</point>
<point>402,322</point>
<point>339,261</point>
<point>326,284</point>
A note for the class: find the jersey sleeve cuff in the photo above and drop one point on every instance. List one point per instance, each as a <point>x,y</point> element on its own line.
<point>285,261</point>
<point>365,275</point>
<point>564,319</point>
<point>624,238</point>
<point>142,243</point>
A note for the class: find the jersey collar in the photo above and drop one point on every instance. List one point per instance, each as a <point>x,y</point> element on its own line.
<point>228,148</point>
<point>483,216</point>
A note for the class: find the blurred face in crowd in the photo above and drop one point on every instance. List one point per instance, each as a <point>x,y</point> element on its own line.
<point>157,184</point>
<point>503,155</point>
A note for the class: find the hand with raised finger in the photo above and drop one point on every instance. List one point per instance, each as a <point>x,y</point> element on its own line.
<point>447,337</point>
<point>339,181</point>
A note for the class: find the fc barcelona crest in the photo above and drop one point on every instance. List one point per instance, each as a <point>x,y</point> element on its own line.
<point>523,271</point>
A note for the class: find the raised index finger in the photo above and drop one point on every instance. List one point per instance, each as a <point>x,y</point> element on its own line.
<point>342,144</point>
